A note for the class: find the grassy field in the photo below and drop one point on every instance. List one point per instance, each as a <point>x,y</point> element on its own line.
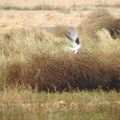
<point>41,79</point>
<point>23,104</point>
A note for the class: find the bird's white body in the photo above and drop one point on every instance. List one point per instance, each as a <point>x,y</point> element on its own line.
<point>74,39</point>
<point>75,49</point>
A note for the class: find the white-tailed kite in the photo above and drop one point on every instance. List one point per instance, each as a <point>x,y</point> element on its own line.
<point>74,39</point>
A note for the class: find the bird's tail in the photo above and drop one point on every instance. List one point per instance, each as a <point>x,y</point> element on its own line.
<point>70,48</point>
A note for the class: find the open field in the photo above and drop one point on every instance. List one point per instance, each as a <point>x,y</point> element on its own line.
<point>41,79</point>
<point>22,104</point>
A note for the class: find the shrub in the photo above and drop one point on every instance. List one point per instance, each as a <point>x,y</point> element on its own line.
<point>96,21</point>
<point>85,71</point>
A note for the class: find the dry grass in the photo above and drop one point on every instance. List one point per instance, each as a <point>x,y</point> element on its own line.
<point>33,60</point>
<point>25,59</point>
<point>20,103</point>
<point>96,21</point>
<point>49,73</point>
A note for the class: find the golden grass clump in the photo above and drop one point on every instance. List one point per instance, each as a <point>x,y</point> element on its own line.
<point>86,71</point>
<point>96,21</point>
<point>16,44</point>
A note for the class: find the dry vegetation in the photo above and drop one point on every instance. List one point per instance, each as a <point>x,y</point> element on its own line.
<point>33,61</point>
<point>66,72</point>
<point>20,103</point>
<point>55,69</point>
<point>96,21</point>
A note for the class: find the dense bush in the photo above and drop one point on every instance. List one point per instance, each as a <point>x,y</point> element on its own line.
<point>96,21</point>
<point>85,71</point>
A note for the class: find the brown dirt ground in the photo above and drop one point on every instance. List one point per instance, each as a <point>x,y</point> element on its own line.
<point>23,19</point>
<point>12,19</point>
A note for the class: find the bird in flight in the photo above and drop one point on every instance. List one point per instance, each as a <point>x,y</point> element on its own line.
<point>74,39</point>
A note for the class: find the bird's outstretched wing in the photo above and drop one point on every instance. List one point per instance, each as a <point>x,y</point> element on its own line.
<point>77,40</point>
<point>73,32</point>
<point>71,40</point>
<point>50,29</point>
<point>74,38</point>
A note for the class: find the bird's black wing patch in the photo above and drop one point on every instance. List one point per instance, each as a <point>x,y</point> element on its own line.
<point>68,37</point>
<point>77,40</point>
